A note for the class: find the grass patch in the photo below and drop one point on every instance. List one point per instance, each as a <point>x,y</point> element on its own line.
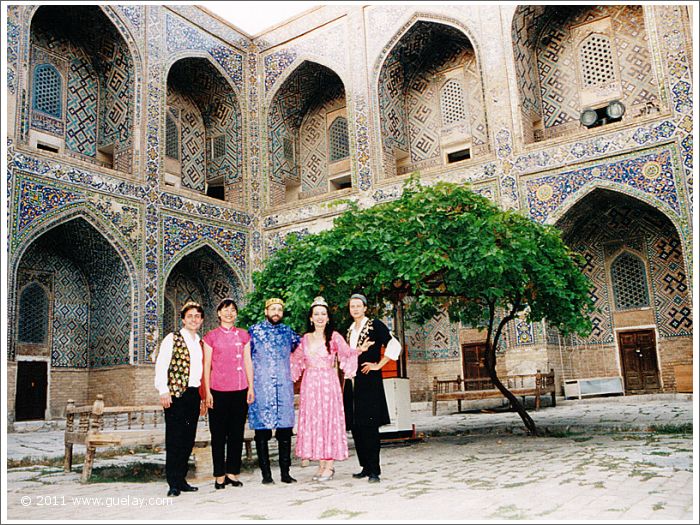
<point>561,433</point>
<point>670,428</point>
<point>658,506</point>
<point>57,461</point>
<point>659,453</point>
<point>133,472</point>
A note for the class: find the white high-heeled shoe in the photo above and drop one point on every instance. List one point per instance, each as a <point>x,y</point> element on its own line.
<point>327,478</point>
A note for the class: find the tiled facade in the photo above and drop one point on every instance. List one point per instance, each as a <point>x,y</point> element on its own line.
<point>91,204</point>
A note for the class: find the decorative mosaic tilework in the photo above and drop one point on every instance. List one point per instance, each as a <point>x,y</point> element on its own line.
<point>594,269</point>
<point>670,283</point>
<point>133,13</point>
<point>435,339</point>
<point>224,31</point>
<point>13,32</point>
<point>361,143</point>
<point>38,200</point>
<point>179,233</point>
<point>652,173</point>
<point>81,108</point>
<point>275,64</point>
<point>254,150</point>
<point>279,240</point>
<point>182,36</point>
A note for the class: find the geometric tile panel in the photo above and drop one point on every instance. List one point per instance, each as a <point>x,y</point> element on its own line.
<point>670,283</point>
<point>438,338</point>
<point>81,113</point>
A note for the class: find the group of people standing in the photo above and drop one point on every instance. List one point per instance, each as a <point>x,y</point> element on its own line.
<point>233,374</point>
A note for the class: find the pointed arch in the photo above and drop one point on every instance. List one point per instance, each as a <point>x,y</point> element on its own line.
<point>294,66</point>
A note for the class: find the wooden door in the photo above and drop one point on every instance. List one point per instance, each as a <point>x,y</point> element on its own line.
<point>639,366</point>
<point>30,402</point>
<point>473,361</point>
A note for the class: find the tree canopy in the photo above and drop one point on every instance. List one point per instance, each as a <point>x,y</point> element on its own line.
<point>445,247</point>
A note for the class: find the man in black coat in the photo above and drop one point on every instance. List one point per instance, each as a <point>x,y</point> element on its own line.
<point>365,403</point>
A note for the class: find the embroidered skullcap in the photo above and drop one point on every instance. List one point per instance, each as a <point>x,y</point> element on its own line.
<point>360,297</point>
<point>319,301</point>
<point>274,300</point>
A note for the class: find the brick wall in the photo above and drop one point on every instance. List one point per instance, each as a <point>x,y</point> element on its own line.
<point>673,351</point>
<point>11,390</point>
<point>65,384</point>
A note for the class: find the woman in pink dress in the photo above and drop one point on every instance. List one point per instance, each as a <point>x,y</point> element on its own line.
<point>321,424</point>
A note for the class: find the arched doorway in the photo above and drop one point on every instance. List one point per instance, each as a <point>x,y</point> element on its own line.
<point>73,312</point>
<point>634,259</point>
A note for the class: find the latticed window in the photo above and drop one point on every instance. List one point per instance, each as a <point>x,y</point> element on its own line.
<point>168,317</point>
<point>629,280</point>
<point>595,56</point>
<point>218,146</point>
<point>172,133</point>
<point>33,315</point>
<point>338,139</point>
<point>47,90</point>
<point>452,102</point>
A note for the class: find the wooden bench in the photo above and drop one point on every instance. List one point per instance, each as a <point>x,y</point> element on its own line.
<point>474,389</point>
<point>122,426</point>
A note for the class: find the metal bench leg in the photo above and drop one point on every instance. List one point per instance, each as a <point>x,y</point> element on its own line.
<point>434,405</point>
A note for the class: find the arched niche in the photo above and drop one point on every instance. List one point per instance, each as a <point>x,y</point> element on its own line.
<point>81,88</point>
<point>308,135</point>
<point>203,131</point>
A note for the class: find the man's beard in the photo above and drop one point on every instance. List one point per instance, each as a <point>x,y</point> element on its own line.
<point>278,321</point>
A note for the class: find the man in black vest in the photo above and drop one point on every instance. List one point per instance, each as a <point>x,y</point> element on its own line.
<point>364,400</point>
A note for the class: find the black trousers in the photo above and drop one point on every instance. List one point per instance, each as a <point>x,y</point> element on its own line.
<point>367,446</point>
<point>227,424</point>
<point>180,431</point>
<point>281,434</point>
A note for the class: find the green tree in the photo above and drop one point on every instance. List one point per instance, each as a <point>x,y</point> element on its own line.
<point>445,247</point>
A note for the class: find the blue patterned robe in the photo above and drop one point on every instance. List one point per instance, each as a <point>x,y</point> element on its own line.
<point>271,347</point>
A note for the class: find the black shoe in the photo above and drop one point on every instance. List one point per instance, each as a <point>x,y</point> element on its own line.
<point>360,475</point>
<point>286,478</point>
<point>172,492</point>
<point>268,481</point>
<point>188,488</point>
<point>233,482</point>
<point>218,485</point>
<point>373,478</point>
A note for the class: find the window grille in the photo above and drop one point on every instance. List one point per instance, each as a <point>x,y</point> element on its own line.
<point>338,139</point>
<point>218,146</point>
<point>168,317</point>
<point>33,315</point>
<point>47,90</point>
<point>452,102</point>
<point>629,280</point>
<point>172,134</point>
<point>595,56</point>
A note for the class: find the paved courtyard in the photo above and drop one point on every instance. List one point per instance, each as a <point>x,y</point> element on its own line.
<point>600,462</point>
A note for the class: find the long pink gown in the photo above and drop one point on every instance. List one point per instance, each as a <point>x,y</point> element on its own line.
<point>321,423</point>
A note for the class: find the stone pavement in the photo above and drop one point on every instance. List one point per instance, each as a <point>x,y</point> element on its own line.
<point>471,466</point>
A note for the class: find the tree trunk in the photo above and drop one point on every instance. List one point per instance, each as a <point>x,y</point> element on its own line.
<point>491,369</point>
<point>514,402</point>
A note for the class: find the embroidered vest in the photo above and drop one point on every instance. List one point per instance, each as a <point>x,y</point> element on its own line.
<point>179,369</point>
<point>364,333</point>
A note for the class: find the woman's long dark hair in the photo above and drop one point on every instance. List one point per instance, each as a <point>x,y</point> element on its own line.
<point>327,331</point>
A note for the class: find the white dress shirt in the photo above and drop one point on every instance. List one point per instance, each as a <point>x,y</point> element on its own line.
<point>165,354</point>
<point>393,347</point>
